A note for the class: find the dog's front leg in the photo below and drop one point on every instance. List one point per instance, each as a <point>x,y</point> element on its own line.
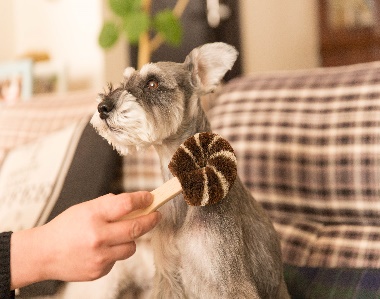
<point>168,278</point>
<point>213,257</point>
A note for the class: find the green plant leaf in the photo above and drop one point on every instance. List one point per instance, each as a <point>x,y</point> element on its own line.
<point>109,34</point>
<point>124,7</point>
<point>169,26</point>
<point>135,24</point>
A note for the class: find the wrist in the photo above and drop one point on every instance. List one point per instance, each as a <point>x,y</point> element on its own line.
<point>29,257</point>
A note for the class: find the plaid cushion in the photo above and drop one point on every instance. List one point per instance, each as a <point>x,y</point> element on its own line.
<point>308,147</point>
<point>141,171</point>
<point>85,177</point>
<point>29,120</point>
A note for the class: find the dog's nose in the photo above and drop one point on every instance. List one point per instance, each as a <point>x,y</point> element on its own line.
<point>104,108</point>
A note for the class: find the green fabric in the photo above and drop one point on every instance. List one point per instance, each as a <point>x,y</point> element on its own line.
<point>332,283</point>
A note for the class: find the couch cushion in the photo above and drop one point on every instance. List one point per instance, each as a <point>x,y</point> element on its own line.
<point>308,148</point>
<point>39,116</point>
<point>87,166</point>
<point>57,128</point>
<point>141,171</point>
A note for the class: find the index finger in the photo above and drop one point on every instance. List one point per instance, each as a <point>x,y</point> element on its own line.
<point>124,203</point>
<point>125,231</point>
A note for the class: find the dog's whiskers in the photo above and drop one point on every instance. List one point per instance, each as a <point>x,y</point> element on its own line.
<point>201,252</point>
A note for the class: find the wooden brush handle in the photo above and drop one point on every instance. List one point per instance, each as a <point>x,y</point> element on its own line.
<point>161,195</point>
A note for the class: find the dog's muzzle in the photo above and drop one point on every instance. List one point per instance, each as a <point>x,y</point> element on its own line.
<point>104,108</point>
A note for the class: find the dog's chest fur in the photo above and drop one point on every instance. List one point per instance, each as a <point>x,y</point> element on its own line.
<point>226,250</point>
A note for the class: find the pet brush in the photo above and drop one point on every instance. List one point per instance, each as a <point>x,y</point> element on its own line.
<point>204,169</point>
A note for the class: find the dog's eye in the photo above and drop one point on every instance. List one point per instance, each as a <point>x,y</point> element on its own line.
<point>152,84</point>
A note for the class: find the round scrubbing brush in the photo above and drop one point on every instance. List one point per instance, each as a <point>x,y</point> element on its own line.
<point>205,168</point>
<point>205,165</point>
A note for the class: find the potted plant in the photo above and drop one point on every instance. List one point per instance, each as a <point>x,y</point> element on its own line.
<point>134,19</point>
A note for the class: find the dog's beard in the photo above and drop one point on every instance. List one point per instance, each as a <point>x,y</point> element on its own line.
<point>130,127</point>
<point>126,128</point>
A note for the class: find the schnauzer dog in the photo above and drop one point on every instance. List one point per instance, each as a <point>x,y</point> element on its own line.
<point>226,250</point>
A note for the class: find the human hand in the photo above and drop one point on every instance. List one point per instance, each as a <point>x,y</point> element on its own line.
<point>83,242</point>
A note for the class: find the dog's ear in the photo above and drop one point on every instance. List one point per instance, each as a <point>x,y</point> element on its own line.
<point>209,63</point>
<point>128,72</point>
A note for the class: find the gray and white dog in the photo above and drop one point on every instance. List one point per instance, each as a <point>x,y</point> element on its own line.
<point>226,250</point>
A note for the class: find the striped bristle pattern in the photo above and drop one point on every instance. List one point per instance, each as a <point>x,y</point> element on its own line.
<point>206,167</point>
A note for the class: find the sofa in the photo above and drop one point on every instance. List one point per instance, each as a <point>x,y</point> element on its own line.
<point>308,148</point>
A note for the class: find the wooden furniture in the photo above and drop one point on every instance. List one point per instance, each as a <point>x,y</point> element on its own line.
<point>349,31</point>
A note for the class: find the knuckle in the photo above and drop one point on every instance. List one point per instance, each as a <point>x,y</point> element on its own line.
<point>100,267</point>
<point>136,230</point>
<point>131,250</point>
<point>128,205</point>
<point>90,218</point>
<point>95,241</point>
<point>99,262</point>
<point>93,275</point>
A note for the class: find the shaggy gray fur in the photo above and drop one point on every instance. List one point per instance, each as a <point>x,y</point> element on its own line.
<point>227,250</point>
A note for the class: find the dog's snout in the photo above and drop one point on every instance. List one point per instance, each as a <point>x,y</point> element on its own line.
<point>104,108</point>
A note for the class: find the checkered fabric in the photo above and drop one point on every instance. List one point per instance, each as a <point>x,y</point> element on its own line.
<point>141,171</point>
<point>26,121</point>
<point>308,148</point>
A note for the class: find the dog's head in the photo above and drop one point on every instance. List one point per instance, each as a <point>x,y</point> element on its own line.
<point>151,104</point>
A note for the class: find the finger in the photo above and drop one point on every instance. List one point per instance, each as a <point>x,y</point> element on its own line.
<point>117,206</point>
<point>129,230</point>
<point>123,251</point>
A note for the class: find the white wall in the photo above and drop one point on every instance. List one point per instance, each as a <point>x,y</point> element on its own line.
<point>117,58</point>
<point>276,34</point>
<point>6,30</point>
<point>67,30</point>
<point>279,34</point>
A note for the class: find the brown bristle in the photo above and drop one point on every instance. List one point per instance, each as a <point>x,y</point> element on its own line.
<point>205,165</point>
<point>215,188</point>
<point>191,145</point>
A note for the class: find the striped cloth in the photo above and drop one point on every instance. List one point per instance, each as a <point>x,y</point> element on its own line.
<point>141,171</point>
<point>27,121</point>
<point>308,148</point>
